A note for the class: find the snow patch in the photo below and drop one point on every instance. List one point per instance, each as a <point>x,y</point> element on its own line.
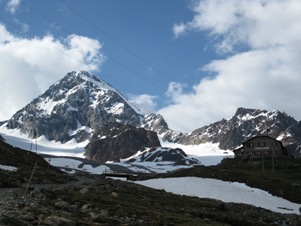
<point>8,168</point>
<point>224,191</point>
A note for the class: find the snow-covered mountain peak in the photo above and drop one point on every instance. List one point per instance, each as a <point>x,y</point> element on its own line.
<point>83,79</point>
<point>73,107</point>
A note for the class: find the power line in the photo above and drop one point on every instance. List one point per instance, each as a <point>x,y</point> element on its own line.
<point>126,48</point>
<point>115,40</point>
<point>83,63</point>
<point>87,44</point>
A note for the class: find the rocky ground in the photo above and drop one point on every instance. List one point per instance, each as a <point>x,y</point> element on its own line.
<point>92,200</point>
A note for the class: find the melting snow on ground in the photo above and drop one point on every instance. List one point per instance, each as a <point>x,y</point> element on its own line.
<point>224,191</point>
<point>71,165</point>
<point>8,168</point>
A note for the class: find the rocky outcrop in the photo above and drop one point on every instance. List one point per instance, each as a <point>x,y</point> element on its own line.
<point>175,156</point>
<point>113,141</point>
<point>155,122</point>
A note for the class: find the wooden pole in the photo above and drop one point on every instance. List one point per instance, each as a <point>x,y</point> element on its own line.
<point>35,165</point>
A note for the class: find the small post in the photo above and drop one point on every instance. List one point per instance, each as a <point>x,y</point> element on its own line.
<point>30,177</point>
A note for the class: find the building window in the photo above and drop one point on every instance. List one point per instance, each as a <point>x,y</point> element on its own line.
<point>261,144</point>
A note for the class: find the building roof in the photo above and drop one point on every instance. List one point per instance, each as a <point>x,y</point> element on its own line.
<point>259,136</point>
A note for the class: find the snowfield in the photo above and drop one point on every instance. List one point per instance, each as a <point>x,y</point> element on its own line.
<point>43,145</point>
<point>224,191</point>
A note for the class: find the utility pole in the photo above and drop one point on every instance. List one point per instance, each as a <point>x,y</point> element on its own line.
<point>36,146</point>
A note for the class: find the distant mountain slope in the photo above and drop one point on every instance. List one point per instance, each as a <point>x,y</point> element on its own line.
<point>246,123</point>
<point>72,108</point>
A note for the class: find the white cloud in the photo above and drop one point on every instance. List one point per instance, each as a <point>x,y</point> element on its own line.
<point>30,65</point>
<point>178,29</point>
<point>146,103</point>
<point>175,90</point>
<point>12,6</point>
<point>266,75</point>
<point>257,23</point>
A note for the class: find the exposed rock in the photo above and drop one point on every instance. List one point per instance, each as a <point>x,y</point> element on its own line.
<point>114,194</point>
<point>62,205</point>
<point>59,221</point>
<point>86,208</point>
<point>86,190</point>
<point>114,141</point>
<point>155,122</point>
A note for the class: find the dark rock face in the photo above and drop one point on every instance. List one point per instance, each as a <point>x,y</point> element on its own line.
<point>113,141</point>
<point>294,150</point>
<point>245,124</point>
<point>159,154</point>
<point>73,107</point>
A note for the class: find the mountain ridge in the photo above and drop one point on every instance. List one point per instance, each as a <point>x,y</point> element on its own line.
<point>78,104</point>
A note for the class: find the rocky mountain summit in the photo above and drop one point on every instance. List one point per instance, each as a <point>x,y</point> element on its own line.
<point>72,108</point>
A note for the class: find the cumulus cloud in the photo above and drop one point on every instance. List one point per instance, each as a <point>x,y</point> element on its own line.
<point>12,6</point>
<point>264,75</point>
<point>146,103</point>
<point>30,65</point>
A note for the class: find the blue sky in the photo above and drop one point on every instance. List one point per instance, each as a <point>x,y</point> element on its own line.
<point>193,61</point>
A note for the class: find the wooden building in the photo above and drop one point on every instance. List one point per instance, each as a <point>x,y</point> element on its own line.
<point>261,146</point>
